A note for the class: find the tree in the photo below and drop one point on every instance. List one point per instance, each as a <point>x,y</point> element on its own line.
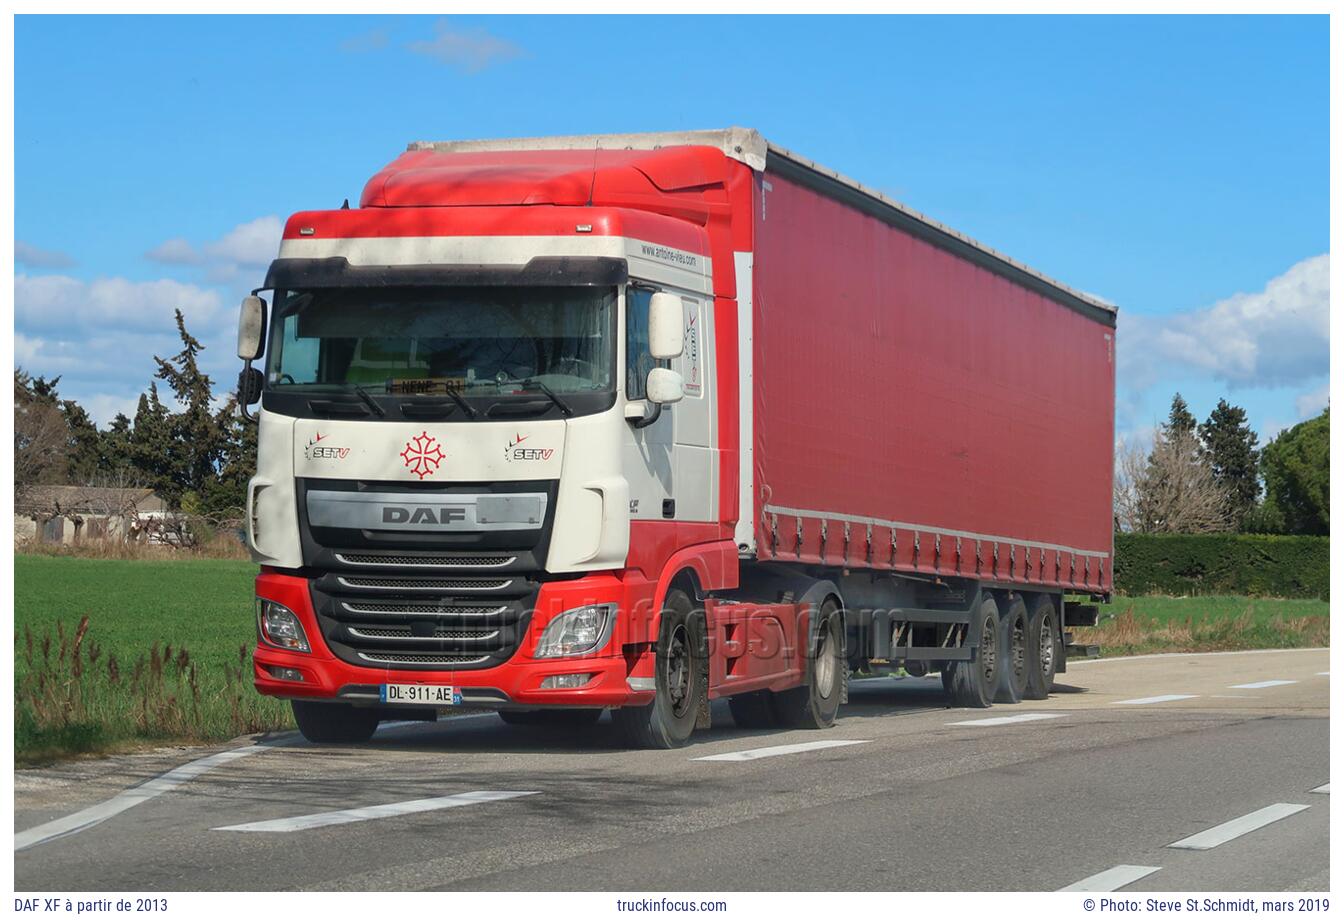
<point>1175,491</point>
<point>1296,467</point>
<point>1180,418</point>
<point>41,436</point>
<point>1230,451</point>
<point>198,439</point>
<point>151,446</point>
<point>86,459</point>
<point>226,495</point>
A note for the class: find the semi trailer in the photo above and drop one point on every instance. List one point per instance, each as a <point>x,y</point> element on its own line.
<point>562,425</point>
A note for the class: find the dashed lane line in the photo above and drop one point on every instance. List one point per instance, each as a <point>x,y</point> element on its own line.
<point>1323,790</point>
<point>1113,879</point>
<point>1262,684</point>
<point>1009,720</point>
<point>1147,700</point>
<point>777,750</point>
<point>1237,827</point>
<point>373,812</point>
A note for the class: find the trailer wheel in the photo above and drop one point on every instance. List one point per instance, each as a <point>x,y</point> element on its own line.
<point>334,723</point>
<point>680,680</point>
<point>556,717</point>
<point>1044,648</point>
<point>815,704</point>
<point>974,682</point>
<point>1012,650</point>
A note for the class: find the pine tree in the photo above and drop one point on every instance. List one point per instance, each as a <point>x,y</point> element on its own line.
<point>151,451</point>
<point>227,493</point>
<point>1230,449</point>
<point>86,461</point>
<point>198,440</point>
<point>1180,420</point>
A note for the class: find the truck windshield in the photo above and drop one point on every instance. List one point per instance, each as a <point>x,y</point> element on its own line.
<point>418,341</point>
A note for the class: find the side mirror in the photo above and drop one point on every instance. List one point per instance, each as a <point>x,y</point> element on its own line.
<point>666,335</point>
<point>249,386</point>
<point>251,327</point>
<point>664,385</point>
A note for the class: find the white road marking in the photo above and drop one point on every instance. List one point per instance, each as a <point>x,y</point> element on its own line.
<point>1323,790</point>
<point>1237,827</point>
<point>1113,879</point>
<point>371,812</point>
<point>1262,684</point>
<point>1008,720</point>
<point>1322,673</point>
<point>97,814</point>
<point>1250,651</point>
<point>777,750</point>
<point>1145,700</point>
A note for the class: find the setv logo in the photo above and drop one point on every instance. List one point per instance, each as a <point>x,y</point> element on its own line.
<point>448,514</point>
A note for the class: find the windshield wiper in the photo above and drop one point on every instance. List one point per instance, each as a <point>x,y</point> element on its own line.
<point>530,383</point>
<point>368,400</point>
<point>457,398</point>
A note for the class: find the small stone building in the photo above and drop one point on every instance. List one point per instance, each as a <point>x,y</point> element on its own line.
<point>73,514</point>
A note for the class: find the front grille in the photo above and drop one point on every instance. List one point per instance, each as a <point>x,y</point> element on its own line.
<point>428,560</point>
<point>441,632</point>
<point>423,622</point>
<point>408,609</point>
<point>403,658</point>
<point>425,584</point>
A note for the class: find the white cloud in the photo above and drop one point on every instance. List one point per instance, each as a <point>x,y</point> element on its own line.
<point>470,52</point>
<point>69,305</point>
<point>176,251</point>
<point>1312,402</point>
<point>33,257</point>
<point>1278,336</point>
<point>243,250</point>
<point>103,407</point>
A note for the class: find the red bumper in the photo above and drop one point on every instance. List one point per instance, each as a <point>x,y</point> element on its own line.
<point>517,681</point>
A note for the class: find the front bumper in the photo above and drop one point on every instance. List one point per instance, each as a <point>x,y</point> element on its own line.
<point>625,660</point>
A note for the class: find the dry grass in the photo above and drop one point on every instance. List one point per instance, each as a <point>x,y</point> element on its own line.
<point>71,696</point>
<point>220,546</point>
<point>1163,628</point>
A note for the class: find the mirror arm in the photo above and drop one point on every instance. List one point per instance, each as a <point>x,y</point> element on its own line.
<point>242,397</point>
<point>648,419</point>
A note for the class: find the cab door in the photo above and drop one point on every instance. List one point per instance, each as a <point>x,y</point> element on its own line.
<point>671,463</point>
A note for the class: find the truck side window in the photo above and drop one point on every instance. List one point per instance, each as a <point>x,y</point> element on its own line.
<point>638,361</point>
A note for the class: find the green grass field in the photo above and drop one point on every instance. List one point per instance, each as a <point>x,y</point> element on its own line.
<point>166,655</point>
<point>1139,625</point>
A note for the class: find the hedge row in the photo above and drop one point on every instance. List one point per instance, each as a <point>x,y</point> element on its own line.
<point>1244,564</point>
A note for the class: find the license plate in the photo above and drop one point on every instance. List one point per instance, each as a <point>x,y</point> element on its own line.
<point>422,694</point>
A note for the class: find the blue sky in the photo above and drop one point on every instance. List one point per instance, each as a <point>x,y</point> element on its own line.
<point>1178,166</point>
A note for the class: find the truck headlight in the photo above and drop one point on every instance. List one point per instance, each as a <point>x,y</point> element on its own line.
<point>577,632</point>
<point>280,627</point>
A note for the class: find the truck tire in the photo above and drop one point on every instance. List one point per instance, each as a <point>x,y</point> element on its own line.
<point>975,682</point>
<point>680,680</point>
<point>334,723</point>
<point>753,710</point>
<point>1012,650</point>
<point>815,704</point>
<point>556,717</point>
<point>1044,647</point>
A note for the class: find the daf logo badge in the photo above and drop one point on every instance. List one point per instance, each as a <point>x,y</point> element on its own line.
<point>396,514</point>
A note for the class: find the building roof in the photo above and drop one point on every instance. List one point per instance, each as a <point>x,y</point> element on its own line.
<point>88,499</point>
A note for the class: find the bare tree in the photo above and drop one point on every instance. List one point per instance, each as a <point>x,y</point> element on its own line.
<point>1172,491</point>
<point>41,438</point>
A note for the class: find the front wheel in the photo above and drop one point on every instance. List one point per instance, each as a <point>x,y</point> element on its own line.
<point>334,723</point>
<point>681,680</point>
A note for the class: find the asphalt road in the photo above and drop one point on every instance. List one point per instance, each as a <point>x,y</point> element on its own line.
<point>1102,777</point>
